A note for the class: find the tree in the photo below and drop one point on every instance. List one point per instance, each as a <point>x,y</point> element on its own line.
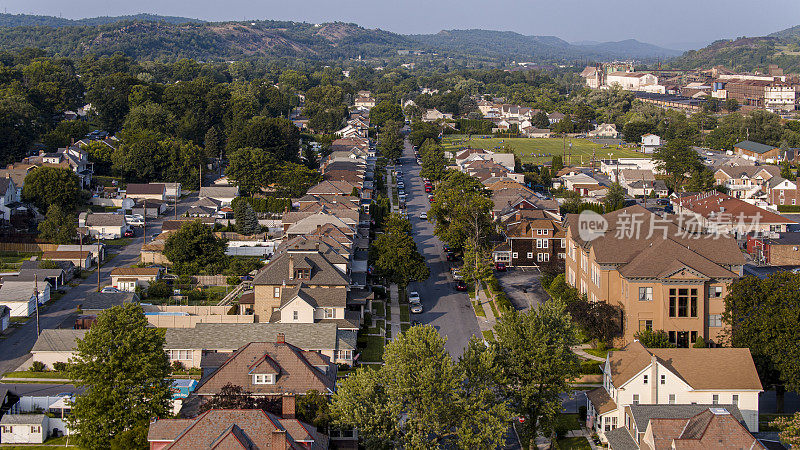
<point>557,163</point>
<point>422,131</point>
<point>477,267</point>
<point>790,429</point>
<point>677,158</point>
<point>251,169</point>
<point>434,164</point>
<point>634,130</point>
<point>246,219</point>
<point>58,226</point>
<point>390,141</point>
<point>786,170</point>
<point>764,316</point>
<point>535,363</point>
<point>194,249</point>
<point>314,408</point>
<point>731,104</point>
<point>293,180</point>
<point>385,112</point>
<point>65,133</point>
<point>653,339</point>
<point>439,400</point>
<point>132,438</point>
<point>396,256</point>
<point>461,211</point>
<point>275,135</point>
<point>700,342</point>
<point>600,321</point>
<point>214,142</point>
<point>100,154</point>
<point>540,120</point>
<point>122,366</point>
<point>45,186</point>
<point>701,180</point>
<point>615,198</point>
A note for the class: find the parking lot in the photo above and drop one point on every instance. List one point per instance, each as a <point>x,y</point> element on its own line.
<point>522,287</point>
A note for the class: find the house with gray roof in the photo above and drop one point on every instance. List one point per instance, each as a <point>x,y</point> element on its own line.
<point>188,345</point>
<point>21,296</point>
<point>222,194</point>
<point>97,302</point>
<point>56,345</point>
<point>105,225</point>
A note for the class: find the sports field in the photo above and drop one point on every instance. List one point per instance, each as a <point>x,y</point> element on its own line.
<point>541,150</point>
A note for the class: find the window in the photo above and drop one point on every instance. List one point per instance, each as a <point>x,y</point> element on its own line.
<point>645,325</point>
<point>635,399</point>
<point>794,201</point>
<point>330,313</point>
<point>663,379</point>
<point>716,292</point>
<point>295,315</point>
<point>515,255</point>
<point>715,320</point>
<point>715,399</point>
<point>644,379</point>
<point>693,337</point>
<point>543,257</point>
<point>529,255</point>
<point>584,262</point>
<point>180,355</point>
<point>276,292</point>
<point>264,378</point>
<point>645,294</point>
<point>541,232</point>
<point>671,399</point>
<point>672,337</point>
<point>562,256</point>
<point>595,275</point>
<point>735,400</point>
<point>563,243</point>
<point>36,429</point>
<point>683,302</point>
<point>542,243</point>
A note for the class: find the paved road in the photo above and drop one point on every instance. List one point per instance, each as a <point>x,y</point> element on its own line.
<point>15,349</point>
<point>448,310</point>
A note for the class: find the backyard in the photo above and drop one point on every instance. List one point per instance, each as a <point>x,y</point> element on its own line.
<point>541,150</point>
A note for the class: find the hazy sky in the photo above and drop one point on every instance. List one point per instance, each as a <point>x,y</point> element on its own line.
<point>668,23</point>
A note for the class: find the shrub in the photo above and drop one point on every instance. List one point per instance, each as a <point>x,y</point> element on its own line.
<point>233,280</point>
<point>503,302</point>
<point>159,289</point>
<point>591,368</point>
<point>37,366</point>
<point>196,296</point>
<point>60,366</point>
<point>700,342</point>
<point>177,366</point>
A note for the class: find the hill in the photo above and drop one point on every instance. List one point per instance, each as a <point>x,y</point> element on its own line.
<point>747,53</point>
<point>147,36</point>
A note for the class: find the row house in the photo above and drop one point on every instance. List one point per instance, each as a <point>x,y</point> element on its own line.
<point>74,158</point>
<point>642,183</point>
<point>663,276</point>
<point>508,201</point>
<point>636,375</point>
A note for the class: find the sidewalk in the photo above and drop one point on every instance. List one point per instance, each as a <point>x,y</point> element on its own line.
<point>578,350</point>
<point>394,297</point>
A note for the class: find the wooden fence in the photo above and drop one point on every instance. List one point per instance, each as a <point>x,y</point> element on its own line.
<point>26,247</point>
<point>211,280</point>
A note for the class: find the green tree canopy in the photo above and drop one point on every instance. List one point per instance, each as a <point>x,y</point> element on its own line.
<point>122,365</point>
<point>58,226</point>
<point>461,211</point>
<point>615,198</point>
<point>194,249</point>
<point>677,159</point>
<point>384,112</point>
<point>395,254</point>
<point>653,338</point>
<point>390,141</point>
<point>45,186</point>
<point>443,403</point>
<point>246,219</point>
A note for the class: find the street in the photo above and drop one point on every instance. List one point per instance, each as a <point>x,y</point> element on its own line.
<point>448,310</point>
<point>15,348</point>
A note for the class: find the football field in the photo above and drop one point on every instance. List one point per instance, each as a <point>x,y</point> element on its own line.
<point>542,150</point>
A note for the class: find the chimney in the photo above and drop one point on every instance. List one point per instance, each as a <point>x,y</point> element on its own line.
<point>278,440</point>
<point>653,380</point>
<point>291,267</point>
<point>288,406</point>
<point>280,339</point>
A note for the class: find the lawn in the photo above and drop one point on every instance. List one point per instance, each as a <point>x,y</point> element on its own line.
<point>379,309</point>
<point>573,443</point>
<point>379,325</point>
<point>487,335</point>
<point>541,150</point>
<point>48,444</point>
<point>478,309</point>
<point>29,374</point>
<point>118,242</point>
<point>373,351</point>
<point>404,314</point>
<point>599,353</point>
<point>16,257</point>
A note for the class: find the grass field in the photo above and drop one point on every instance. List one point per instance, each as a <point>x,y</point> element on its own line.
<point>542,150</point>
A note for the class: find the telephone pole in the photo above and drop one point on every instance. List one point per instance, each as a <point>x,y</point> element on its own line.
<point>98,262</point>
<point>144,220</point>
<point>36,295</point>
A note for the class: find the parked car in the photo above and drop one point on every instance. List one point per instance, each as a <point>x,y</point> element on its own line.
<point>457,274</point>
<point>451,256</point>
<point>110,290</point>
<point>128,233</point>
<point>461,286</point>
<point>500,266</point>
<point>415,308</point>
<point>423,216</point>
<point>428,190</point>
<point>446,248</point>
<point>413,296</point>
<point>430,199</point>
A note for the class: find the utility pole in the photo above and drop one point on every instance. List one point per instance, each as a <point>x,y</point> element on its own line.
<point>36,295</point>
<point>176,201</point>
<point>144,221</point>
<point>201,175</point>
<point>98,262</point>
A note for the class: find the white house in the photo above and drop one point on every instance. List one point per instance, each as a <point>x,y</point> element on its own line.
<point>56,345</point>
<point>8,195</point>
<point>638,375</point>
<point>632,81</point>
<point>650,142</point>
<point>129,278</point>
<point>24,428</point>
<point>105,225</point>
<point>432,115</point>
<point>21,296</point>
<point>222,194</point>
<point>605,130</point>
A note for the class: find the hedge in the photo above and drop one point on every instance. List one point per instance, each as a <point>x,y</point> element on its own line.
<point>789,208</point>
<point>266,204</point>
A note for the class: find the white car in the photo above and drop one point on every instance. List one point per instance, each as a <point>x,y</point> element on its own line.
<point>110,290</point>
<point>413,297</point>
<point>423,216</point>
<point>457,275</point>
<point>416,308</point>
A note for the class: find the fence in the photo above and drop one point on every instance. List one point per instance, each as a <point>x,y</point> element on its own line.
<point>27,247</point>
<point>191,321</point>
<point>211,280</point>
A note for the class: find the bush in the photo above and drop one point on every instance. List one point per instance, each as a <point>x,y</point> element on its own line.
<point>788,208</point>
<point>503,302</point>
<point>700,342</point>
<point>177,366</point>
<point>591,368</point>
<point>60,366</point>
<point>159,289</point>
<point>196,296</point>
<point>233,280</point>
<point>37,366</point>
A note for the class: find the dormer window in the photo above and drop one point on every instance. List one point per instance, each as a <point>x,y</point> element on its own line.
<point>302,274</point>
<point>265,378</point>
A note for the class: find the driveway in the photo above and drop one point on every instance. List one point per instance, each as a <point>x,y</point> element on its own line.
<point>522,287</point>
<point>448,310</point>
<point>15,348</point>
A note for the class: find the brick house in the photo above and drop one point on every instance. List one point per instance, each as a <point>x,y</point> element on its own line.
<point>776,249</point>
<point>756,151</point>
<point>717,212</point>
<point>531,241</point>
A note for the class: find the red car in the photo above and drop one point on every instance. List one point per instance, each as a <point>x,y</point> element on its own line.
<point>430,199</point>
<point>500,266</point>
<point>428,189</point>
<point>461,286</point>
<point>129,233</point>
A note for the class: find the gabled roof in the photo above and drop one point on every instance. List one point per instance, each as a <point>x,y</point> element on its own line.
<point>700,368</point>
<point>217,192</point>
<point>145,189</point>
<point>642,414</point>
<point>712,206</point>
<point>231,336</point>
<point>105,220</point>
<point>58,340</point>
<point>296,370</point>
<point>323,271</point>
